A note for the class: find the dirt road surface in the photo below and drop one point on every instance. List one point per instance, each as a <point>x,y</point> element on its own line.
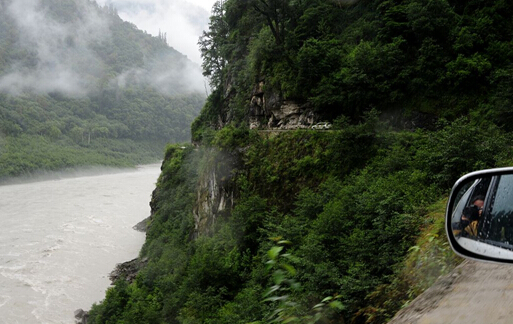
<point>475,292</point>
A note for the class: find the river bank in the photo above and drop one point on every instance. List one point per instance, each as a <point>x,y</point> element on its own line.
<point>62,237</point>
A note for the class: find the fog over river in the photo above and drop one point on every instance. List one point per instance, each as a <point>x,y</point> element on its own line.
<point>60,239</point>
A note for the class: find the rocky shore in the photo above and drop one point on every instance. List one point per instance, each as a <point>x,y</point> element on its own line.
<point>81,316</point>
<point>127,270</point>
<point>142,225</point>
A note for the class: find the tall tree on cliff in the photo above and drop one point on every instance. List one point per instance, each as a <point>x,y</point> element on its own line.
<point>275,13</point>
<point>211,45</point>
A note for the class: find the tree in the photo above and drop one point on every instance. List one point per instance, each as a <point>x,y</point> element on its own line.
<point>211,45</point>
<point>275,13</point>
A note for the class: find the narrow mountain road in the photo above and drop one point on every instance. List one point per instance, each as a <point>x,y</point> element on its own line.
<point>475,292</point>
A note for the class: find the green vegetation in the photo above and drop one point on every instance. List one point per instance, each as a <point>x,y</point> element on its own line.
<point>40,132</point>
<point>27,155</point>
<point>443,58</point>
<point>356,233</point>
<point>87,88</point>
<point>360,206</point>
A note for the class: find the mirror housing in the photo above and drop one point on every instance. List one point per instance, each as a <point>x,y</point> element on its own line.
<point>479,215</point>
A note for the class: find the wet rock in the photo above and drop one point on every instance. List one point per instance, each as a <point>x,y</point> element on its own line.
<point>268,110</point>
<point>81,316</point>
<point>142,226</point>
<point>128,270</point>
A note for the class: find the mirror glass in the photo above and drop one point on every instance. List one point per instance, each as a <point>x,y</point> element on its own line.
<point>482,216</point>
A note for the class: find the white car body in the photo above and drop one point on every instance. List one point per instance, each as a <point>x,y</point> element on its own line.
<point>322,125</point>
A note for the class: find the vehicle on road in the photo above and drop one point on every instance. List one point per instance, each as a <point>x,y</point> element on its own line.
<point>322,126</point>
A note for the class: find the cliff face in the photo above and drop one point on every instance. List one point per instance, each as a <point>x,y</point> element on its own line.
<point>214,193</point>
<point>348,201</point>
<point>268,110</point>
<point>206,176</point>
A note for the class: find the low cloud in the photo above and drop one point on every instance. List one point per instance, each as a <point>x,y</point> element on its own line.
<point>42,81</point>
<point>182,21</point>
<point>55,52</point>
<point>58,56</point>
<point>164,79</point>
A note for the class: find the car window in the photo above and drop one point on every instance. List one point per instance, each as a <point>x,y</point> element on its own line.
<point>461,200</point>
<point>468,194</point>
<point>500,214</point>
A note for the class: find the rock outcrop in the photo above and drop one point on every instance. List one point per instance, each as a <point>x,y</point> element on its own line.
<point>128,270</point>
<point>81,316</point>
<point>214,196</point>
<point>268,110</point>
<point>142,226</point>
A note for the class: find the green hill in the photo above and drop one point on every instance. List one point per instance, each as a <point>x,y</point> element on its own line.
<point>407,59</point>
<point>265,220</point>
<point>79,86</point>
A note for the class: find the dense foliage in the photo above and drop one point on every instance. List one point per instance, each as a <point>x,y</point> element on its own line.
<point>349,228</point>
<point>88,88</point>
<point>356,202</point>
<point>445,58</point>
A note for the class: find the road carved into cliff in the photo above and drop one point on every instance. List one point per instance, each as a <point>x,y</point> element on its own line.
<point>474,292</point>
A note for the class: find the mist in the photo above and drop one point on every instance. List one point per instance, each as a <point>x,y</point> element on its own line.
<point>163,79</point>
<point>77,172</point>
<point>59,50</point>
<point>182,20</point>
<point>60,57</point>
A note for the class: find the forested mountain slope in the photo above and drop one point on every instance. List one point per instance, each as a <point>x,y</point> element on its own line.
<point>254,225</point>
<point>429,58</point>
<point>80,86</point>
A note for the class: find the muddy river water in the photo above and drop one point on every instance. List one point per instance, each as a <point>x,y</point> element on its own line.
<point>60,239</point>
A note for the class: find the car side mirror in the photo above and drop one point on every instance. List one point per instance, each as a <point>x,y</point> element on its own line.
<point>479,215</point>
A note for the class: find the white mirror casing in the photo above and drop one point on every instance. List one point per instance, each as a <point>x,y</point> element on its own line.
<point>479,215</point>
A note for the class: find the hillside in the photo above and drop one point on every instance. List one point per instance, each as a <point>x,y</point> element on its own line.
<point>274,62</point>
<point>265,220</point>
<point>346,221</point>
<point>79,86</point>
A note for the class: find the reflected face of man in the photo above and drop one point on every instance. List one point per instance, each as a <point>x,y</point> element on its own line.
<point>479,203</point>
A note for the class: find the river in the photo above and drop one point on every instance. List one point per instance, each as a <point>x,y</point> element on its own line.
<point>60,239</point>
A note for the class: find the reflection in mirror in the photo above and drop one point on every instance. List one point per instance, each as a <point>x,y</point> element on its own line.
<point>482,216</point>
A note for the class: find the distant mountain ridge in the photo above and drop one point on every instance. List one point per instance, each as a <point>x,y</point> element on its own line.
<point>76,74</point>
<point>78,37</point>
